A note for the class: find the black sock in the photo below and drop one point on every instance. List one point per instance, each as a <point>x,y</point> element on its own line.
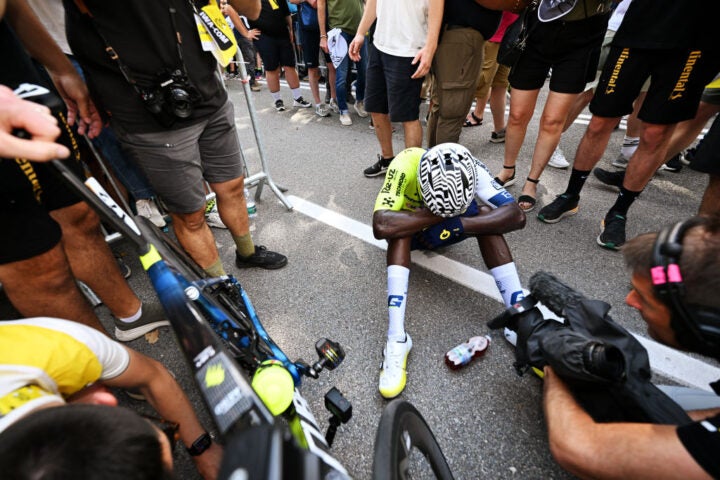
<point>623,202</point>
<point>577,180</point>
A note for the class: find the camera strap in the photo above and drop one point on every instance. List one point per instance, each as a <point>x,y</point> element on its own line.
<point>114,56</point>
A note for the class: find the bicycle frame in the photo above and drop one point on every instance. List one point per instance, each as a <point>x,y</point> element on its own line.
<point>197,317</point>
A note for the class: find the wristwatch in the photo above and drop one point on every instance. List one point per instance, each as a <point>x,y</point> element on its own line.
<point>199,446</point>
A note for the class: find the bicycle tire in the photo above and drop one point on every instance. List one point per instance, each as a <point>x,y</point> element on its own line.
<point>401,429</point>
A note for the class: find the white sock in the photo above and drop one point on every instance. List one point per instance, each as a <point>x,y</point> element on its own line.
<point>296,93</point>
<point>507,281</point>
<point>133,317</point>
<point>276,95</point>
<point>317,105</point>
<point>630,144</point>
<point>397,300</point>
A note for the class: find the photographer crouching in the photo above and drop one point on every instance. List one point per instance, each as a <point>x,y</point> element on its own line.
<point>604,417</point>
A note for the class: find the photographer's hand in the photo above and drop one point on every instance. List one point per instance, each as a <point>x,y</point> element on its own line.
<point>35,119</point>
<point>81,108</point>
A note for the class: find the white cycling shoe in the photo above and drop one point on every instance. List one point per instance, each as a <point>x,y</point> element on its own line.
<point>393,375</point>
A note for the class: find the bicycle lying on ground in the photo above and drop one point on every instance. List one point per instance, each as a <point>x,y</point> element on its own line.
<point>225,345</point>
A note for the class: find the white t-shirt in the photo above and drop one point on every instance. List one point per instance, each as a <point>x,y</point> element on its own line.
<point>618,15</point>
<point>51,14</point>
<point>402,27</point>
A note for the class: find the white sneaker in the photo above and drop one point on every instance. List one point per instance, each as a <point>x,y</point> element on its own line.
<point>147,208</point>
<point>360,108</point>
<point>212,216</point>
<point>558,160</point>
<point>345,119</point>
<point>300,102</point>
<point>393,376</point>
<point>510,336</point>
<point>334,106</point>
<point>322,110</point>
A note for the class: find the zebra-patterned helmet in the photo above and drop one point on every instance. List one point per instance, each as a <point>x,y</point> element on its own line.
<point>448,179</point>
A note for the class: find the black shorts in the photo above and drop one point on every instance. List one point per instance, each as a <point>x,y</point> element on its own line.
<point>311,48</point>
<point>275,51</point>
<point>677,81</point>
<point>571,49</point>
<point>389,88</point>
<point>707,157</point>
<point>28,191</point>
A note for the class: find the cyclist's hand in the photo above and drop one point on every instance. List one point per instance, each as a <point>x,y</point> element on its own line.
<point>35,119</point>
<point>208,464</point>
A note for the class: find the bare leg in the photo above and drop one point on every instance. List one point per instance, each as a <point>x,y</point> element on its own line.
<point>195,236</point>
<point>44,286</point>
<point>649,156</point>
<point>398,252</point>
<point>497,107</point>
<point>581,101</point>
<point>331,80</point>
<point>232,205</point>
<point>494,250</point>
<point>522,107</point>
<point>552,122</point>
<point>634,124</point>
<point>413,133</point>
<point>273,80</point>
<point>291,76</point>
<point>383,132</point>
<point>594,142</point>
<point>313,79</point>
<point>92,260</point>
<point>710,204</point>
<point>687,131</point>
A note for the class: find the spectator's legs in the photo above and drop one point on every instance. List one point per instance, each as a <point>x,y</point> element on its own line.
<point>331,79</point>
<point>522,108</point>
<point>341,73</point>
<point>92,260</point>
<point>313,80</point>
<point>195,236</point>
<point>232,205</point>
<point>292,78</point>
<point>649,156</point>
<point>552,122</point>
<point>581,101</point>
<point>273,81</point>
<point>383,132</point>
<point>413,133</point>
<point>45,283</point>
<point>594,142</point>
<point>497,107</point>
<point>687,131</point>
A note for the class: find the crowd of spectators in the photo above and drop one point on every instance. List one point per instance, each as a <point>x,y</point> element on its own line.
<point>155,106</point>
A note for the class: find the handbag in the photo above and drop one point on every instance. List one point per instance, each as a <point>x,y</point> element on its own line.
<point>308,17</point>
<point>515,39</point>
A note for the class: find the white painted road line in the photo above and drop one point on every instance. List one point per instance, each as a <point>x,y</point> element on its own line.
<point>665,361</point>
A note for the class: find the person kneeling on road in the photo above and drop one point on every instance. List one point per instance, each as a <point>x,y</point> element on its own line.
<point>428,201</point>
<point>674,285</point>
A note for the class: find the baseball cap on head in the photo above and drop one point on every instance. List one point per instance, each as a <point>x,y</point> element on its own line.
<point>550,10</point>
<point>448,179</point>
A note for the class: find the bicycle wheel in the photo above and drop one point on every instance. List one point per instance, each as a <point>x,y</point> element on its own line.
<point>401,436</point>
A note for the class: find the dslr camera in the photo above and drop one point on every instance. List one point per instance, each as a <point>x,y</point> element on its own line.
<point>172,98</point>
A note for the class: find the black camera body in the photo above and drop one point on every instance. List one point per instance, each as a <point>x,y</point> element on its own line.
<point>172,97</point>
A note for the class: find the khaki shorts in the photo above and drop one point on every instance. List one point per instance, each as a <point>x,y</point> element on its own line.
<point>493,74</point>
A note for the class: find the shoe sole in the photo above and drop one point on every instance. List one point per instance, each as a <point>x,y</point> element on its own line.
<point>563,167</point>
<point>497,140</point>
<point>567,213</point>
<point>389,395</point>
<point>621,166</point>
<point>266,267</point>
<point>371,175</point>
<point>128,335</point>
<point>608,246</point>
<point>508,183</point>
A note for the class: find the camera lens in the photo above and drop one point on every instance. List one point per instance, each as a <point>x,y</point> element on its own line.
<point>181,103</point>
<point>152,102</point>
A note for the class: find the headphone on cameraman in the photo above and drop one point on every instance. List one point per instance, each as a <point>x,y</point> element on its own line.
<point>696,327</point>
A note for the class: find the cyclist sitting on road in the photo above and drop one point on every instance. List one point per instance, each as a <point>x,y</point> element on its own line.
<point>46,362</point>
<point>428,201</point>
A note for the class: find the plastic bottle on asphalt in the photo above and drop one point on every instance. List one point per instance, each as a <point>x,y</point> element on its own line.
<point>251,208</point>
<point>464,353</point>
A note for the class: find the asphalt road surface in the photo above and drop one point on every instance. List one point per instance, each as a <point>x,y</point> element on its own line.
<point>488,420</point>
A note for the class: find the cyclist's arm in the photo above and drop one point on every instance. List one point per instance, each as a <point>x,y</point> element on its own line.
<point>248,8</point>
<point>390,224</point>
<point>165,395</point>
<point>611,450</point>
<point>498,221</point>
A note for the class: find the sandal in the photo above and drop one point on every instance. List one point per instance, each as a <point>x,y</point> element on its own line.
<point>528,198</point>
<point>476,122</point>
<point>510,181</point>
